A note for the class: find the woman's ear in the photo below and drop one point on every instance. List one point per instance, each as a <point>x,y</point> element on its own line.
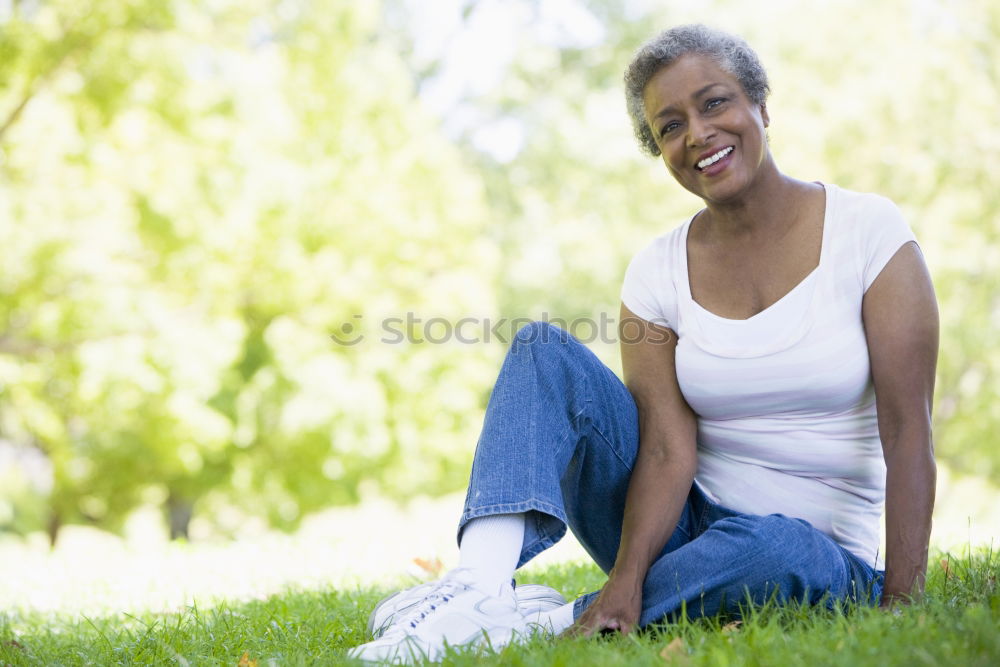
<point>764,116</point>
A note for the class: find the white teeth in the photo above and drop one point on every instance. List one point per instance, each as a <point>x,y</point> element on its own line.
<point>712,159</point>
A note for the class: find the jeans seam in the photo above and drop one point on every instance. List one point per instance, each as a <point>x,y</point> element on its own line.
<point>868,593</point>
<point>705,507</point>
<point>610,443</point>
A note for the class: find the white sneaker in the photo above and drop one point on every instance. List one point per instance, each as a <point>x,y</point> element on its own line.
<point>532,600</point>
<point>453,612</point>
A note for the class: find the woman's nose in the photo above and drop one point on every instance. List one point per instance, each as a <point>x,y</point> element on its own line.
<point>700,133</point>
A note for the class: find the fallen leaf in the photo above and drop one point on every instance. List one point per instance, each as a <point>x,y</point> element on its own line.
<point>734,626</point>
<point>675,652</point>
<point>245,660</point>
<point>944,566</point>
<point>431,567</point>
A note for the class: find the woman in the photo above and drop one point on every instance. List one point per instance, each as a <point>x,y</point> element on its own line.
<point>743,458</point>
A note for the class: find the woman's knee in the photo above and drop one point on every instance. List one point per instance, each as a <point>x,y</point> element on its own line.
<point>784,548</point>
<point>540,333</point>
<point>778,538</point>
<point>543,340</point>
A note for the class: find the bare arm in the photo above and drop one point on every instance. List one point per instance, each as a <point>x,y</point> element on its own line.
<point>901,323</point>
<point>661,478</point>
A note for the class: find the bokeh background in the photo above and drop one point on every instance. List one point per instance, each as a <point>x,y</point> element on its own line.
<point>236,238</point>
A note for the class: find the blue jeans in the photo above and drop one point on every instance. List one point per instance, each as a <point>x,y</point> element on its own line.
<point>559,441</point>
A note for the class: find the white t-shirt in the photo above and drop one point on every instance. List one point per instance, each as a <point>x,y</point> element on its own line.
<point>785,401</point>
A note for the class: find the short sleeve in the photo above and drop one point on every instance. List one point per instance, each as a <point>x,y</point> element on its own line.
<point>886,232</point>
<point>647,290</point>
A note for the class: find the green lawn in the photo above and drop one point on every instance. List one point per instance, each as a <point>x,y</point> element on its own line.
<point>958,623</point>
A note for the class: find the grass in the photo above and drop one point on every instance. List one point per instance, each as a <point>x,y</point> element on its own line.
<point>957,623</point>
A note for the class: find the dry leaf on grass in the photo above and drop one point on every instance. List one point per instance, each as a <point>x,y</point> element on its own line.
<point>944,566</point>
<point>675,652</point>
<point>729,628</point>
<point>245,660</point>
<point>431,567</point>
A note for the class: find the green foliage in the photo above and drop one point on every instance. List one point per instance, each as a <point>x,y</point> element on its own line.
<point>957,623</point>
<point>194,204</point>
<point>198,200</point>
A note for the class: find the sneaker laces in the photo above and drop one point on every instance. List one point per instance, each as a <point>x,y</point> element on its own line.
<point>441,594</point>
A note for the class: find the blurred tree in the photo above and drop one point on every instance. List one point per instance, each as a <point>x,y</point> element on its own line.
<point>194,208</point>
<point>60,292</point>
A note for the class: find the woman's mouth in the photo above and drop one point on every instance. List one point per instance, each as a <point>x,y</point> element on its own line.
<point>712,159</point>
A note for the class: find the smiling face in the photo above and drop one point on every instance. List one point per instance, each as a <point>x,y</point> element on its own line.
<point>710,134</point>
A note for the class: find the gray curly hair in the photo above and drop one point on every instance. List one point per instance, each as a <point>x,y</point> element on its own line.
<point>732,53</point>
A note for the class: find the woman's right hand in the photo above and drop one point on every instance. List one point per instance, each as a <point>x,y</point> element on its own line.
<point>661,476</point>
<point>617,609</point>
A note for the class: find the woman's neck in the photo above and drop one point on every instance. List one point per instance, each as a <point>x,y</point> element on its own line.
<point>768,206</point>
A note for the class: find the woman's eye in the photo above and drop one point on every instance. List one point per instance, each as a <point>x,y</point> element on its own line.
<point>711,104</point>
<point>669,127</point>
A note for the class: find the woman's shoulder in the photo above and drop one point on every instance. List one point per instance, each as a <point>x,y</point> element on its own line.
<point>864,219</point>
<point>872,229</point>
<point>649,288</point>
<point>858,206</point>
<point>664,242</point>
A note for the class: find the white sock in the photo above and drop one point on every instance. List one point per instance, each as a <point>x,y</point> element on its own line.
<point>491,546</point>
<point>558,619</point>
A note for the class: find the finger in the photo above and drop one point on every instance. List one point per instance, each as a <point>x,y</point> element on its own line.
<point>587,626</point>
<point>591,628</point>
<point>577,630</point>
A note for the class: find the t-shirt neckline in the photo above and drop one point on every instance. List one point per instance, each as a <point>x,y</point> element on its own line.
<point>802,284</point>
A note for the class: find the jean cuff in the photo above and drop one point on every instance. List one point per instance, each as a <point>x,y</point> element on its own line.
<point>544,524</point>
<point>582,602</point>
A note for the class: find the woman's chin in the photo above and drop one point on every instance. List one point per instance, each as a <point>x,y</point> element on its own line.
<point>719,192</point>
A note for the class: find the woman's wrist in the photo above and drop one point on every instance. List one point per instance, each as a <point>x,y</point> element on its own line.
<point>628,573</point>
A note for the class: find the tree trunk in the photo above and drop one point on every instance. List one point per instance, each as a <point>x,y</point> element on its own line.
<point>52,529</point>
<point>179,511</point>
